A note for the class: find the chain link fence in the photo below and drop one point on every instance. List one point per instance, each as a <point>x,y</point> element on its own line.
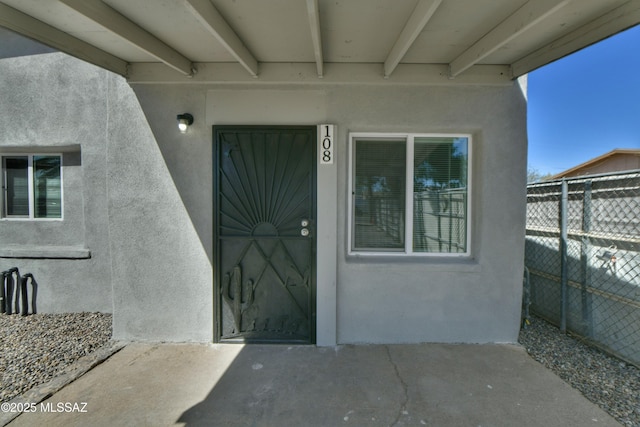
<point>582,253</point>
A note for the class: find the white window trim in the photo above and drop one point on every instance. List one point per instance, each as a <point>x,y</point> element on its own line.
<point>31,217</point>
<point>408,245</point>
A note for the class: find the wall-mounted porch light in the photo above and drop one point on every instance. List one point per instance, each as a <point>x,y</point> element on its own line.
<point>184,121</point>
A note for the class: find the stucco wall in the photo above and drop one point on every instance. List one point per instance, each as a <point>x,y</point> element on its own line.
<point>162,276</point>
<point>126,244</point>
<point>477,300</point>
<point>139,199</point>
<point>54,103</point>
<point>367,301</point>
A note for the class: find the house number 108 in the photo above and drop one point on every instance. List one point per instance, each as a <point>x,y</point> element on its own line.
<point>326,144</point>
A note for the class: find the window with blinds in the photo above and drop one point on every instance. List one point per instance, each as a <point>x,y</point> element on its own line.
<point>409,194</point>
<point>379,194</point>
<point>32,186</point>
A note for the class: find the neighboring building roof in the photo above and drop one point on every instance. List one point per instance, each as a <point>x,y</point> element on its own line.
<point>617,160</point>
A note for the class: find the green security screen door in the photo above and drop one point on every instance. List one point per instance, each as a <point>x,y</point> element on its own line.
<point>265,238</point>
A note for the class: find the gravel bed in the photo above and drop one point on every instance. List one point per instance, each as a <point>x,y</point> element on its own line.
<point>34,349</point>
<point>605,380</point>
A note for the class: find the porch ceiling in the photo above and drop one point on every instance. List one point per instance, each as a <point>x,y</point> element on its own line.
<point>341,40</point>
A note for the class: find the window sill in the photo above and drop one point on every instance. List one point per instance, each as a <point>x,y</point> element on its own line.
<point>435,264</point>
<point>25,219</point>
<point>45,252</point>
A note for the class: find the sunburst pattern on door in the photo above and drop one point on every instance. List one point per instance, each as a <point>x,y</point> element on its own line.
<point>264,192</point>
<point>264,188</point>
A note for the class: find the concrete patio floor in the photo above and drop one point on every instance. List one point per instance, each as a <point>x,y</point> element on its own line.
<point>368,385</point>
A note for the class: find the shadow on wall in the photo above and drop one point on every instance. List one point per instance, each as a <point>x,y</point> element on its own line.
<point>187,156</point>
<point>603,300</point>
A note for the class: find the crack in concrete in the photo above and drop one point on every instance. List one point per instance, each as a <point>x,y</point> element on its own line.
<point>405,389</point>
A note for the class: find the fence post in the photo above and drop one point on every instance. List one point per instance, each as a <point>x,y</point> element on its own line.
<point>563,256</point>
<point>584,260</point>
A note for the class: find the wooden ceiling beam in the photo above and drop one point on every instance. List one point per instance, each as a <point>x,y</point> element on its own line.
<point>299,74</point>
<point>214,23</point>
<point>314,24</point>
<point>120,25</point>
<point>613,22</point>
<point>35,29</point>
<point>422,13</point>
<point>532,13</point>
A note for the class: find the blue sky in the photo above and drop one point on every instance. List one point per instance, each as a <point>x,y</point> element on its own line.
<point>585,105</point>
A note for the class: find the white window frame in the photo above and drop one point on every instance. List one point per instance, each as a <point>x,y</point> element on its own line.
<point>30,184</point>
<point>409,139</point>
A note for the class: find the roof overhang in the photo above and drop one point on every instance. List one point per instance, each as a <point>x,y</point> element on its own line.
<point>331,41</point>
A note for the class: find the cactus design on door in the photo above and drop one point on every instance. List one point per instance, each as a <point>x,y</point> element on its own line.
<point>264,206</point>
